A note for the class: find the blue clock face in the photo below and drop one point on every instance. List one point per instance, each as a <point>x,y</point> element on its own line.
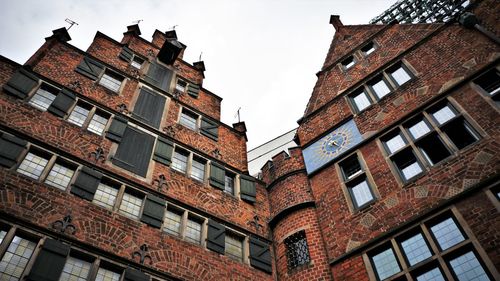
<point>331,146</point>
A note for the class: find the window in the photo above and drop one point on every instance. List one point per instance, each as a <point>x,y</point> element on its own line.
<point>33,165</point>
<point>234,246</point>
<point>198,169</point>
<point>356,182</point>
<point>380,87</point>
<point>60,175</point>
<point>399,75</point>
<point>79,114</point>
<point>490,84</point>
<point>421,141</point>
<point>98,123</point>
<point>107,275</point>
<point>180,160</point>
<point>16,258</point>
<point>173,219</point>
<point>75,270</point>
<point>131,205</point>
<point>348,62</point>
<point>440,232</point>
<point>181,85</point>
<point>360,100</point>
<point>149,107</point>
<point>193,230</point>
<point>134,151</point>
<point>297,251</point>
<point>105,196</point>
<point>189,119</point>
<point>229,183</point>
<point>368,49</point>
<point>43,97</point>
<point>111,81</point>
<point>137,62</point>
<point>83,111</point>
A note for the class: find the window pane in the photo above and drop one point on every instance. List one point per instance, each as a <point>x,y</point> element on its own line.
<point>59,176</point>
<point>229,184</point>
<point>97,124</point>
<point>490,82</point>
<point>2,235</point>
<point>297,251</point>
<point>467,268</point>
<point>395,143</point>
<point>419,129</point>
<point>431,275</point>
<point>361,100</point>
<point>42,99</point>
<point>172,223</point>
<point>75,270</point>
<point>444,114</point>
<point>188,121</point>
<point>234,247</point>
<point>368,49</point>
<point>407,163</point>
<point>400,75</point>
<point>351,167</point>
<point>411,170</point>
<point>415,249</point>
<point>447,234</point>
<point>198,170</point>
<point>349,62</point>
<point>131,206</point>
<point>180,86</point>
<point>381,89</point>
<point>137,62</point>
<point>433,149</point>
<point>15,258</point>
<point>385,264</point>
<point>179,161</point>
<point>105,196</point>
<point>362,193</point>
<point>110,82</point>
<point>107,275</point>
<point>78,115</point>
<point>460,133</point>
<point>193,231</point>
<point>32,165</point>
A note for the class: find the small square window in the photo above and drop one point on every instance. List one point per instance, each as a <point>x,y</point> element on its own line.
<point>98,123</point>
<point>490,83</point>
<point>348,62</point>
<point>33,165</point>
<point>137,62</point>
<point>447,233</point>
<point>415,249</point>
<point>193,230</point>
<point>179,160</point>
<point>468,267</point>
<point>385,263</point>
<point>407,164</point>
<point>59,176</point>
<point>394,143</point>
<point>43,97</point>
<point>368,49</point>
<point>181,85</point>
<point>188,119</point>
<point>131,205</point>
<point>105,196</point>
<point>400,75</point>
<point>380,87</point>
<point>297,250</point>
<point>229,183</point>
<point>234,247</point>
<point>443,114</point>
<point>75,270</point>
<point>361,100</point>
<point>418,128</point>
<point>460,133</point>
<point>79,114</point>
<point>198,169</point>
<point>173,219</point>
<point>111,81</point>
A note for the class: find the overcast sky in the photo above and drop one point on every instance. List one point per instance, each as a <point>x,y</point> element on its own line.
<point>260,55</point>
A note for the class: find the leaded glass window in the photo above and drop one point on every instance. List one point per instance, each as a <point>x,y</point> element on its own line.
<point>179,160</point>
<point>32,165</point>
<point>111,81</point>
<point>193,231</point>
<point>15,258</point>
<point>416,249</point>
<point>131,205</point>
<point>173,220</point>
<point>297,250</point>
<point>43,98</point>
<point>198,169</point>
<point>385,263</point>
<point>79,115</point>
<point>105,196</point>
<point>98,123</point>
<point>75,270</point>
<point>60,176</point>
<point>107,275</point>
<point>234,247</point>
<point>447,233</point>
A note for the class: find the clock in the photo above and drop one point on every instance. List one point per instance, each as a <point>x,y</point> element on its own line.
<point>331,146</point>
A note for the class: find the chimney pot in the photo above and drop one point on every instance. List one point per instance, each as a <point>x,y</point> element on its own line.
<point>336,22</point>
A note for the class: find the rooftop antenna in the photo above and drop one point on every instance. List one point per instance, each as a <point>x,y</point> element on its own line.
<point>199,59</point>
<point>238,114</point>
<point>173,27</point>
<point>137,21</point>
<point>71,23</point>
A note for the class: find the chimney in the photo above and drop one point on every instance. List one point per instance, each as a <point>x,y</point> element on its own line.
<point>242,128</point>
<point>336,22</point>
<point>200,66</point>
<point>60,34</point>
<point>133,29</point>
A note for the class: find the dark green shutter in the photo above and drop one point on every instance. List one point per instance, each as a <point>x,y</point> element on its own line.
<point>90,68</point>
<point>193,90</point>
<point>50,261</point>
<point>260,255</point>
<point>86,183</point>
<point>134,275</point>
<point>154,210</point>
<point>10,149</point>
<point>149,107</point>
<point>247,188</point>
<point>117,128</point>
<point>159,76</point>
<point>217,176</point>
<point>134,151</point>
<point>163,151</point>
<point>62,103</point>
<point>216,235</point>
<point>126,54</point>
<point>209,128</point>
<point>21,83</point>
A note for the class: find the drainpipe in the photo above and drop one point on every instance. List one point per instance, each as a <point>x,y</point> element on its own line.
<point>469,20</point>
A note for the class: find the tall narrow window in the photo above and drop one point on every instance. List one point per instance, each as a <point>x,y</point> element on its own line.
<point>179,160</point>
<point>173,220</point>
<point>234,246</point>
<point>98,122</point>
<point>297,250</point>
<point>198,169</point>
<point>16,258</point>
<point>229,183</point>
<point>33,165</point>
<point>43,97</point>
<point>188,119</point>
<point>193,230</point>
<point>356,182</point>
<point>131,205</point>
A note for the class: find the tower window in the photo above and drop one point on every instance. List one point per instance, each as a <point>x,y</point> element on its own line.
<point>297,251</point>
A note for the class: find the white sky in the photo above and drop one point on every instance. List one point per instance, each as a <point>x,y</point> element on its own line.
<point>260,55</point>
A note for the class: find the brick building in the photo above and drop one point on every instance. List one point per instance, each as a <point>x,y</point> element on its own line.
<point>115,165</point>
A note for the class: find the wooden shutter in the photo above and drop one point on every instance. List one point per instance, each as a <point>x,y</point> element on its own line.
<point>117,129</point>
<point>209,128</point>
<point>134,151</point>
<point>62,103</point>
<point>217,176</point>
<point>216,236</point>
<point>134,275</point>
<point>126,54</point>
<point>86,183</point>
<point>193,90</point>
<point>154,210</point>
<point>50,261</point>
<point>260,254</point>
<point>10,149</point>
<point>247,188</point>
<point>159,76</point>
<point>21,83</point>
<point>149,107</point>
<point>90,68</point>
<point>163,151</point>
